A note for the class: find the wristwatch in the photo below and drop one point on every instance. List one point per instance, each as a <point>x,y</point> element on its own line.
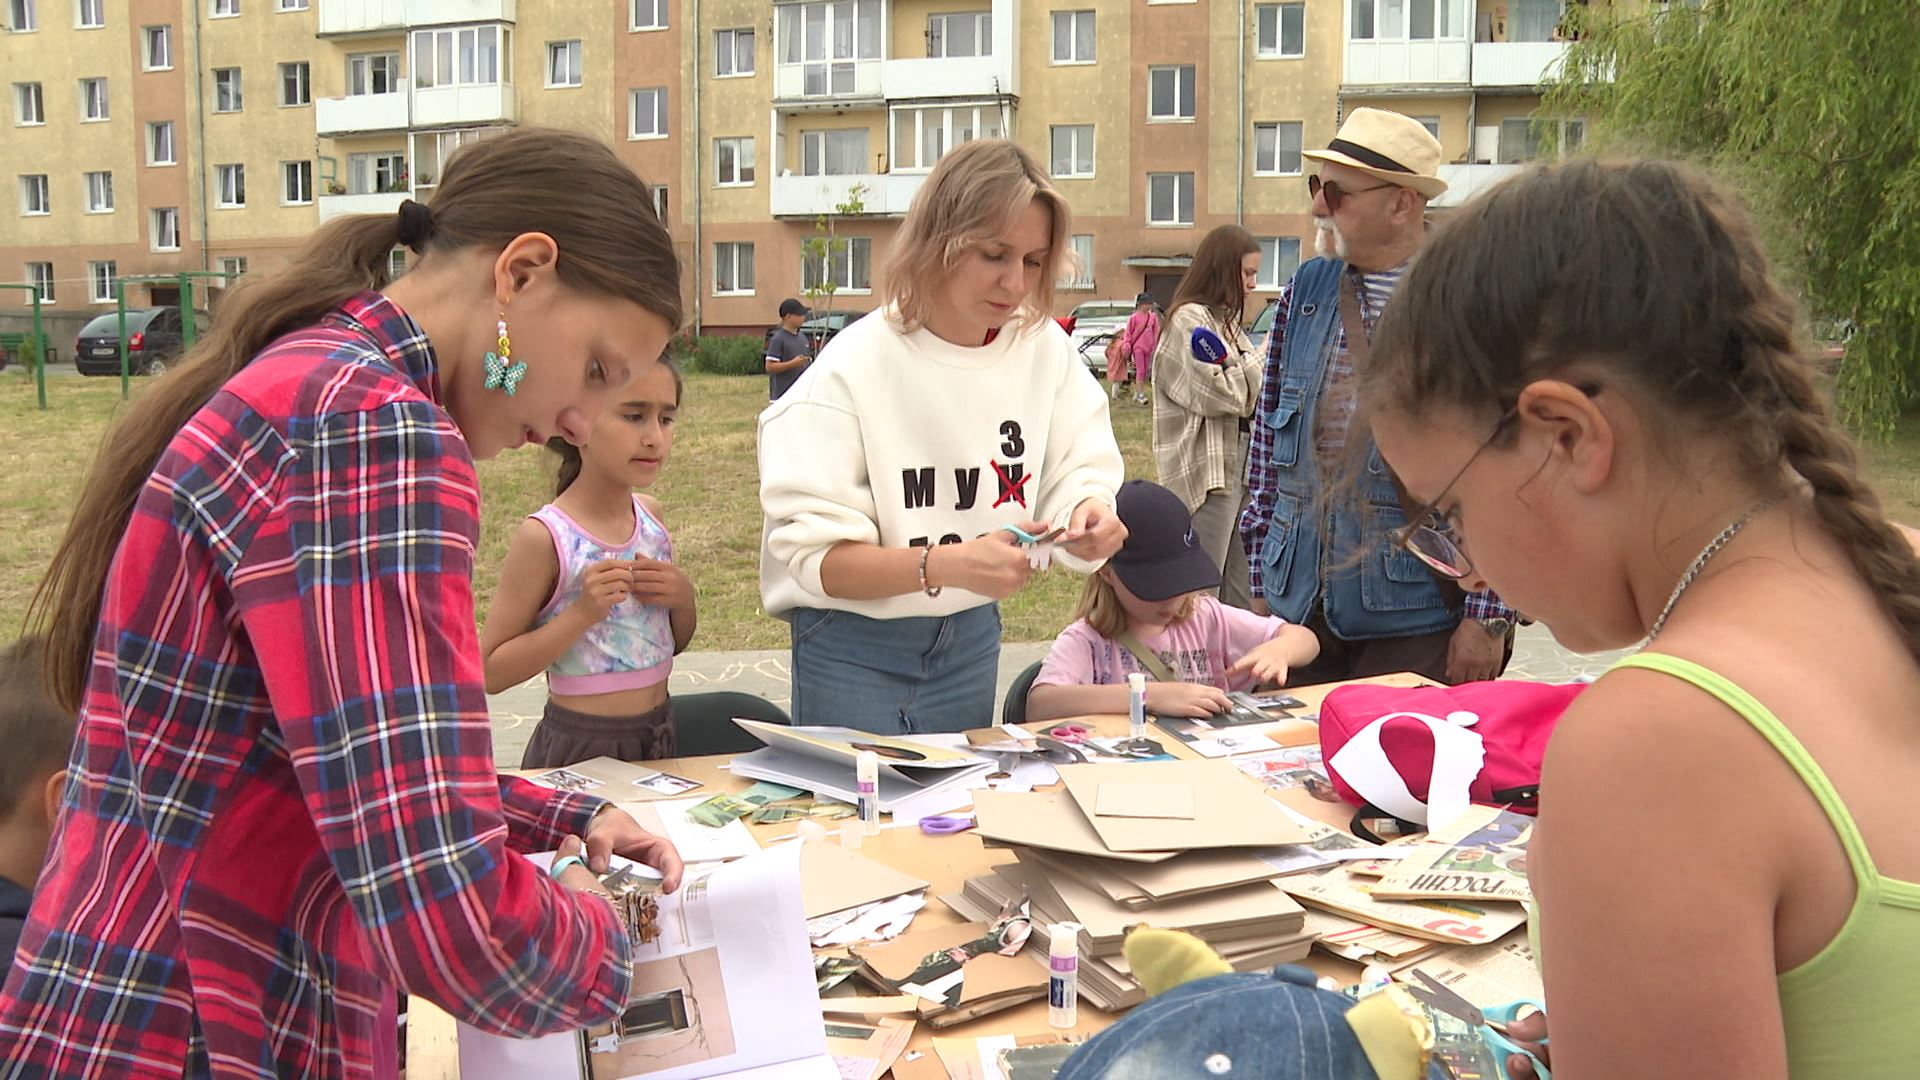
<point>1496,628</point>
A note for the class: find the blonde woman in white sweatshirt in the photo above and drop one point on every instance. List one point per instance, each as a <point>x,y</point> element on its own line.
<point>889,473</point>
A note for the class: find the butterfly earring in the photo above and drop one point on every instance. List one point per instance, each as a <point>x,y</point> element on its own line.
<point>503,373</point>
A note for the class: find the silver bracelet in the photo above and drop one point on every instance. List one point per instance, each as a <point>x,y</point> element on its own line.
<point>931,590</point>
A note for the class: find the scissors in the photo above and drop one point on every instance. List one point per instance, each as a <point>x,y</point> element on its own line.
<point>1026,537</point>
<point>1492,1024</point>
<point>1070,733</point>
<point>945,825</point>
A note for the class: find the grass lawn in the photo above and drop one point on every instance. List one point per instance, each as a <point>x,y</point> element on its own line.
<point>709,488</point>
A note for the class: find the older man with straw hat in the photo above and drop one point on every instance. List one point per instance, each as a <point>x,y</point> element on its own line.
<point>1332,566</point>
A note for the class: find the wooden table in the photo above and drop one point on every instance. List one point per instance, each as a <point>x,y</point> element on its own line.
<point>945,862</point>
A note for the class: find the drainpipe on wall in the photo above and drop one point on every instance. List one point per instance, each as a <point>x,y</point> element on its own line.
<point>1240,130</point>
<point>200,142</point>
<point>699,192</point>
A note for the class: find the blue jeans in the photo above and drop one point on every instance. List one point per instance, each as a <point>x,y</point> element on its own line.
<point>895,676</point>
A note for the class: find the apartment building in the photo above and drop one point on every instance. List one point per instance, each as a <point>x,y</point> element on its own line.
<point>148,137</point>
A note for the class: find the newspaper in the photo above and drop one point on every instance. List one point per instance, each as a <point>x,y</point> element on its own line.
<point>1460,922</point>
<point>1479,855</point>
<point>1485,976</point>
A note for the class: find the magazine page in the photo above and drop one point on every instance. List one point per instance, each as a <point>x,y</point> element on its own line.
<point>845,744</point>
<point>1479,855</point>
<point>1459,921</point>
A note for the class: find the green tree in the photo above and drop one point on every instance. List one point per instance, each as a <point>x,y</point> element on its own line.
<point>1813,110</point>
<point>824,246</point>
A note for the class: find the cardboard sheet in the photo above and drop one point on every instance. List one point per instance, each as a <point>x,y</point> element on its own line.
<point>1229,809</point>
<point>1172,801</point>
<point>834,878</point>
<point>1047,819</point>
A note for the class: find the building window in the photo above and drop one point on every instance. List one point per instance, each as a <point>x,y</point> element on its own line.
<point>469,56</point>
<point>157,54</point>
<point>659,192</point>
<point>296,183</point>
<point>649,14</point>
<point>101,277</point>
<point>960,33</point>
<point>226,90</point>
<point>99,192</point>
<point>35,196</point>
<point>563,64</point>
<point>1170,198</point>
<point>22,17</point>
<point>1276,149</point>
<point>223,9</point>
<point>1518,141</point>
<point>373,73</point>
<point>1079,273</point>
<point>827,39</point>
<point>231,182</point>
<point>1073,41</point>
<point>647,114</point>
<point>922,136</point>
<point>1431,123</point>
<point>369,174</point>
<point>1280,30</point>
<point>233,266</point>
<point>1412,20</point>
<point>296,84</point>
<point>732,53</point>
<point>1073,151</point>
<point>166,228</point>
<point>732,269</point>
<point>396,264</point>
<point>1573,135</point>
<point>733,162</point>
<point>1279,258</point>
<point>40,276</point>
<point>93,100</point>
<point>841,152</point>
<point>160,143</point>
<point>89,14</point>
<point>1170,92</point>
<point>290,5</point>
<point>847,270</point>
<point>29,107</point>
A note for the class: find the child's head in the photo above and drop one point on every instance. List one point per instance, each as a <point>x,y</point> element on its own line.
<point>38,736</point>
<point>631,440</point>
<point>1156,576</point>
<point>1224,271</point>
<point>984,240</point>
<point>1588,350</point>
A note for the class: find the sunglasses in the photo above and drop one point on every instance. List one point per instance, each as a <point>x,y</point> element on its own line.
<point>1429,536</point>
<point>1334,193</point>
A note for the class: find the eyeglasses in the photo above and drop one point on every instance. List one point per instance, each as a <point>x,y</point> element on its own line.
<point>1429,536</point>
<point>1335,194</point>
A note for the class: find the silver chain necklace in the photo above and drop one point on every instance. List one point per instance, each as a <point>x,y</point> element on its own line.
<point>1707,553</point>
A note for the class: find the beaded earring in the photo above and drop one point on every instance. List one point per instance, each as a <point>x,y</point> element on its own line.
<point>503,373</point>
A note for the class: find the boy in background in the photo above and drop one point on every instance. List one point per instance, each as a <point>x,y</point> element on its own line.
<point>37,736</point>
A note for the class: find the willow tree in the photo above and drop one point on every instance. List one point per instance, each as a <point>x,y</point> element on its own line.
<point>1813,109</point>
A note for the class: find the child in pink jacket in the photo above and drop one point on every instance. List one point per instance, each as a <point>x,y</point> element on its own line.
<point>1138,340</point>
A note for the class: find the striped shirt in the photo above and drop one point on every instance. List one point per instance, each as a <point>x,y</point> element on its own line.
<point>282,809</point>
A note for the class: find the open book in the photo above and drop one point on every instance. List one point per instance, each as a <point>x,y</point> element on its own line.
<point>822,760</point>
<point>723,986</point>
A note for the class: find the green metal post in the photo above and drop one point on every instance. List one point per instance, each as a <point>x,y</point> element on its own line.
<point>186,314</point>
<point>120,299</point>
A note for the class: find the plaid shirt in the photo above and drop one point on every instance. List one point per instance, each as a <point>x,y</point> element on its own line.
<point>1200,409</point>
<point>1333,418</point>
<point>283,809</point>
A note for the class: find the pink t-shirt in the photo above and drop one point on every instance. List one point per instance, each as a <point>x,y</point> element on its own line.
<point>1198,650</point>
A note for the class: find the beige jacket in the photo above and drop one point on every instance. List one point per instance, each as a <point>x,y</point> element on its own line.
<point>1198,441</point>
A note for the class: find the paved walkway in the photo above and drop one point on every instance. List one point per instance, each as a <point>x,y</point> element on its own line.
<point>764,672</point>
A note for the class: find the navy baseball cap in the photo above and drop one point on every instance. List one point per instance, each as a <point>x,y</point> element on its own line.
<point>1162,557</point>
<point>790,306</point>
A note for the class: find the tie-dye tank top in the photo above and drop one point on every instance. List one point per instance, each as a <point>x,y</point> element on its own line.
<point>633,646</point>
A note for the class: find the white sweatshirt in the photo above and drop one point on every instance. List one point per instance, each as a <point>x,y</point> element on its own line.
<point>904,439</point>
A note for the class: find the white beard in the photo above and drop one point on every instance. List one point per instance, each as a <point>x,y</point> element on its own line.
<point>1328,242</point>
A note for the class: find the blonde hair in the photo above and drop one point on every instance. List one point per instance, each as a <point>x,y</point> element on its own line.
<point>1101,607</point>
<point>972,196</point>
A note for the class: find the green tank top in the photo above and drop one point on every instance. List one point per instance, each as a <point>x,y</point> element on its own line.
<point>1851,1010</point>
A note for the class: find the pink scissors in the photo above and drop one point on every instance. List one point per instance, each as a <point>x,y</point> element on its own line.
<point>1070,733</point>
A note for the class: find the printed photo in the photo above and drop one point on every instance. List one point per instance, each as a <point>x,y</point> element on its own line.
<point>567,780</point>
<point>666,784</point>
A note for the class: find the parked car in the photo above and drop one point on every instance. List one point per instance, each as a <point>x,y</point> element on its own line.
<point>154,340</point>
<point>1262,323</point>
<point>821,329</point>
<point>1094,322</point>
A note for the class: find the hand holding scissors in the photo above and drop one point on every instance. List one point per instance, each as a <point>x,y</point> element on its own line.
<point>1494,1024</point>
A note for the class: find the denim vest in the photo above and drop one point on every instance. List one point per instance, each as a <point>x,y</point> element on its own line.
<point>1389,593</point>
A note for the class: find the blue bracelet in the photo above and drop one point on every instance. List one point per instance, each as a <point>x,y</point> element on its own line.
<point>560,865</point>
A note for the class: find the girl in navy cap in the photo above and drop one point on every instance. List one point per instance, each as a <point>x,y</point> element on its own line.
<point>1151,610</point>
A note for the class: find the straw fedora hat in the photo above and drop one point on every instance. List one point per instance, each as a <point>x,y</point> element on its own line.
<point>1387,145</point>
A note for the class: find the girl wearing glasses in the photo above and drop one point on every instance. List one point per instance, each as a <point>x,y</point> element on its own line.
<point>1594,380</point>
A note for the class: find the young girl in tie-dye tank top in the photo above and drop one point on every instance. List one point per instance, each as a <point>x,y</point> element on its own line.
<point>589,591</point>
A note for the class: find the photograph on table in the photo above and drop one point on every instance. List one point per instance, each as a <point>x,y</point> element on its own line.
<point>567,780</point>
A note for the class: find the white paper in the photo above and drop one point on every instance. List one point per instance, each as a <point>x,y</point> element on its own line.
<point>881,920</point>
<point>908,812</point>
<point>1230,742</point>
<point>697,842</point>
<point>1458,754</point>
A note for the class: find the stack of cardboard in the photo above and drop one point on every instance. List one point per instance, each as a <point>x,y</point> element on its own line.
<point>1186,845</point>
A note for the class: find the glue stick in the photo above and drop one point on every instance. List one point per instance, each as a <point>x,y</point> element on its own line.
<point>867,772</point>
<point>1063,983</point>
<point>1136,706</point>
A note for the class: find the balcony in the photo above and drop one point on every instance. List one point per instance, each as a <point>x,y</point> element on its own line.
<point>1409,63</point>
<point>1516,64</point>
<point>359,113</point>
<point>382,202</point>
<point>342,17</point>
<point>953,77</point>
<point>1466,181</point>
<point>887,194</point>
<point>827,83</point>
<point>453,106</point>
